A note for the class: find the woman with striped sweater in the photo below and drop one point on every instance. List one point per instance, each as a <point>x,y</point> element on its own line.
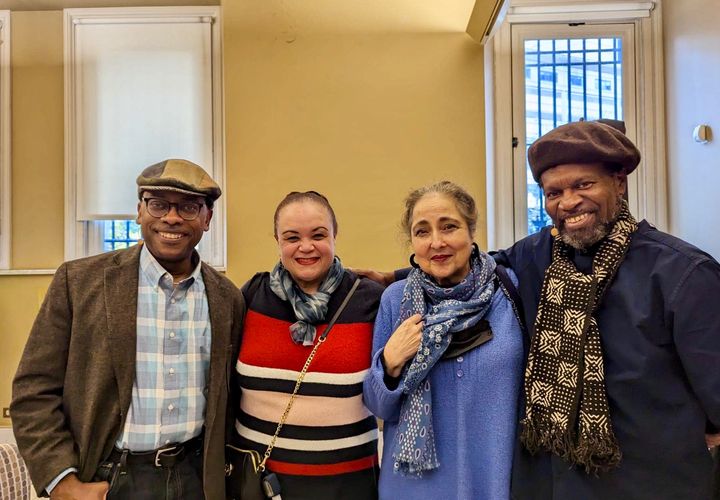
<point>327,448</point>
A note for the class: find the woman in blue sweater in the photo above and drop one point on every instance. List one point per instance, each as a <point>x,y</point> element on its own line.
<point>447,360</point>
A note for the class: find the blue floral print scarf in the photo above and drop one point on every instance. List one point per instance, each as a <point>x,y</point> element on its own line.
<point>444,311</point>
<point>309,309</point>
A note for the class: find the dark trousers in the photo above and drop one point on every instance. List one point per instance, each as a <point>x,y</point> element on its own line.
<point>142,480</point>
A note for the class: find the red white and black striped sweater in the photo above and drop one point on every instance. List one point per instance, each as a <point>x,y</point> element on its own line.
<point>328,446</point>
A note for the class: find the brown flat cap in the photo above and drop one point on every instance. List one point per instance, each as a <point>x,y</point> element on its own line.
<point>601,141</point>
<point>178,175</point>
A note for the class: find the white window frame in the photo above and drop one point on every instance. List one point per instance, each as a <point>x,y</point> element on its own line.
<point>5,174</point>
<point>650,180</point>
<point>84,238</point>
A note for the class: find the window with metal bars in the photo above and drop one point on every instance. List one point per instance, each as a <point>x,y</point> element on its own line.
<point>120,234</point>
<point>561,94</point>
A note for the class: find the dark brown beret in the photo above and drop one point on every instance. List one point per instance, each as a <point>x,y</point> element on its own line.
<point>602,141</point>
<point>178,175</point>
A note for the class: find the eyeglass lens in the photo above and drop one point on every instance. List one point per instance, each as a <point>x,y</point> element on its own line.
<point>158,207</point>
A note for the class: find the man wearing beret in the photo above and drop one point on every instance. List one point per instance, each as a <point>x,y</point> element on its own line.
<point>622,385</point>
<point>122,387</point>
<point>623,376</point>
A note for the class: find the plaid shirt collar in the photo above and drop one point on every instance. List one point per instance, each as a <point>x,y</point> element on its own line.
<point>159,276</point>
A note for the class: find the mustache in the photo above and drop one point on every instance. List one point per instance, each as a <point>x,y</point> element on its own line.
<point>584,238</point>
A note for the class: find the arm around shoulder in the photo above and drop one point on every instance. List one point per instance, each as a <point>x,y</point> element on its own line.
<point>380,399</point>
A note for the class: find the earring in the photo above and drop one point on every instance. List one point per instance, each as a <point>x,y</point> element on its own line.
<point>554,232</point>
<point>475,251</point>
<point>413,263</point>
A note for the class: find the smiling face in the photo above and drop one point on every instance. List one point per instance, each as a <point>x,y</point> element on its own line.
<point>306,242</point>
<point>171,239</point>
<point>583,201</point>
<point>441,239</point>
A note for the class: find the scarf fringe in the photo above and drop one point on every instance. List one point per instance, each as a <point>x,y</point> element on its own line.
<point>596,454</point>
<point>553,439</point>
<point>415,468</point>
<point>406,464</point>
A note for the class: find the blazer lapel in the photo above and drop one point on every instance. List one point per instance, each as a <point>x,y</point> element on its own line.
<point>121,295</point>
<point>220,318</point>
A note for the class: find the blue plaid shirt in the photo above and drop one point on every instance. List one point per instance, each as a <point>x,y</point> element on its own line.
<point>173,359</point>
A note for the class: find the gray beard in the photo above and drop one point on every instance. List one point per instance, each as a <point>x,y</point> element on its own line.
<point>585,238</point>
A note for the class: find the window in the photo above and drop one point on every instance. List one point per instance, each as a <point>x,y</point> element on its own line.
<point>142,85</point>
<point>5,139</point>
<point>592,60</point>
<point>570,61</point>
<point>120,234</point>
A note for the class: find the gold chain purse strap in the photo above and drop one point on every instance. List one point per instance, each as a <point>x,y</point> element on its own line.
<point>261,466</point>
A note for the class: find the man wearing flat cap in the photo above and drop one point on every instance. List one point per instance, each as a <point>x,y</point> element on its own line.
<point>622,385</point>
<point>122,387</point>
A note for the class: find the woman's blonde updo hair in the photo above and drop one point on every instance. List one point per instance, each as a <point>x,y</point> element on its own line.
<point>463,201</point>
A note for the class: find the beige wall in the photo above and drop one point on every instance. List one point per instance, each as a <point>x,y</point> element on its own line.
<point>20,297</point>
<point>37,178</point>
<point>692,71</point>
<point>361,111</point>
<point>358,115</point>
<point>362,118</point>
<point>37,139</point>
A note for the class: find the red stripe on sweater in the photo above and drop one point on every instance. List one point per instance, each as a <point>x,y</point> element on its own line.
<point>266,342</point>
<point>322,470</point>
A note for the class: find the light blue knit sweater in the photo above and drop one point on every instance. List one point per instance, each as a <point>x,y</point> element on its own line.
<point>474,400</point>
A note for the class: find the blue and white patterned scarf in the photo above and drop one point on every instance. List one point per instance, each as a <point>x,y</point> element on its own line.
<point>309,309</point>
<point>444,311</point>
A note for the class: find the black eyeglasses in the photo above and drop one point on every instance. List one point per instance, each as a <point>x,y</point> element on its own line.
<point>158,207</point>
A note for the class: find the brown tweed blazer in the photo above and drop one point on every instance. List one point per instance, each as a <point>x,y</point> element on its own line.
<point>72,390</point>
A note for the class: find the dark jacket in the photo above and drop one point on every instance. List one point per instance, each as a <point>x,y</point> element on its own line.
<point>72,390</point>
<point>659,324</point>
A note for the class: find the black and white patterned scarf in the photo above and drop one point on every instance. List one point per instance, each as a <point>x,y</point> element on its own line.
<point>309,309</point>
<point>567,409</point>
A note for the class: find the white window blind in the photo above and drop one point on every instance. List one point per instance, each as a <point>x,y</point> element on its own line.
<point>145,94</point>
<point>142,85</point>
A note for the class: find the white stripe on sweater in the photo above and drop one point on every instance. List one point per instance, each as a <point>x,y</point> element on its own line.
<point>307,445</point>
<point>310,377</point>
